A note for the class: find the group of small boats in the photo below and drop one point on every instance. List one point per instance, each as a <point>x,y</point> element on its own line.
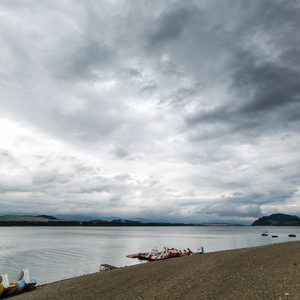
<point>166,253</point>
<point>266,233</point>
<point>23,282</point>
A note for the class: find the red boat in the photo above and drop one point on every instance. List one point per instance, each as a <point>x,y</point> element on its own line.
<point>166,253</point>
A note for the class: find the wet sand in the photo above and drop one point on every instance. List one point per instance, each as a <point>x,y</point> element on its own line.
<point>266,272</point>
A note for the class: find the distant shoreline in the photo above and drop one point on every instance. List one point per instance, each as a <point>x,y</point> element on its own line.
<point>45,220</point>
<point>90,224</point>
<point>277,219</point>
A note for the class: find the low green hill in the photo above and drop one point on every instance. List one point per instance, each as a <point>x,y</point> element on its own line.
<point>277,220</point>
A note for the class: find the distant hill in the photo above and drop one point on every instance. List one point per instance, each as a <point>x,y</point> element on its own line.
<point>277,220</point>
<point>41,220</point>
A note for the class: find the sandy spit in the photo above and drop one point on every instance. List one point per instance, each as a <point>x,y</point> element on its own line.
<point>266,272</point>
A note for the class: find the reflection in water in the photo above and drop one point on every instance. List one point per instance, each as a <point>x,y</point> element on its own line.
<point>57,253</point>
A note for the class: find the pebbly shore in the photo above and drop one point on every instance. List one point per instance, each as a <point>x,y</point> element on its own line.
<point>266,272</point>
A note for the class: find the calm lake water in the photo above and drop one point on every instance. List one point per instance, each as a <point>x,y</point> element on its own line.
<point>55,253</point>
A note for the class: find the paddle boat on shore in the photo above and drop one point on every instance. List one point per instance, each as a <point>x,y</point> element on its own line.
<point>8,287</point>
<point>21,286</point>
<point>29,283</point>
<point>23,282</point>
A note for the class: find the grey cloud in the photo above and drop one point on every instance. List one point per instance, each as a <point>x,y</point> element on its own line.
<point>183,95</point>
<point>290,56</point>
<point>121,153</point>
<point>4,153</point>
<point>51,178</point>
<point>272,85</point>
<point>87,61</point>
<point>9,186</point>
<point>133,72</point>
<point>171,24</point>
<point>98,188</point>
<point>170,68</point>
<point>149,87</point>
<point>227,210</point>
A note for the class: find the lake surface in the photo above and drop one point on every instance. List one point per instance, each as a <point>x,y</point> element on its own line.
<point>56,253</point>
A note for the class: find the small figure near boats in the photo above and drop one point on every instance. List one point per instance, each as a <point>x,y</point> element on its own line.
<point>265,233</point>
<point>292,235</point>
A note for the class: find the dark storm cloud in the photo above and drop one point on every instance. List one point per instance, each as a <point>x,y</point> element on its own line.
<point>264,89</point>
<point>271,84</point>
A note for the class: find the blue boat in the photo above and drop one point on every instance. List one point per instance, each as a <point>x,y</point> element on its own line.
<point>29,283</point>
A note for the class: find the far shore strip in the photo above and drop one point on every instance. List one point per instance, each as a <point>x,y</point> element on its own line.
<point>265,272</point>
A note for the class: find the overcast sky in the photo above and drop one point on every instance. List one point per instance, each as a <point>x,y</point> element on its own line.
<point>174,110</point>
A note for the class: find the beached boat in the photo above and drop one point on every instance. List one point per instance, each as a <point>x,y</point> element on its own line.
<point>165,253</point>
<point>8,287</point>
<point>29,283</point>
<point>21,283</point>
<point>265,233</point>
<point>292,235</point>
<point>21,286</point>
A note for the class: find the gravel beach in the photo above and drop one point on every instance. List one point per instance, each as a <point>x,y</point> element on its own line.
<point>266,272</point>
